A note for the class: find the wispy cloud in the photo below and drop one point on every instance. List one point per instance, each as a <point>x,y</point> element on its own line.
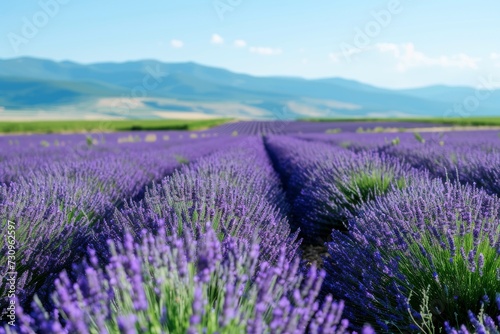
<point>175,43</point>
<point>265,51</point>
<point>239,43</point>
<point>408,57</point>
<point>496,58</point>
<point>337,56</point>
<point>217,39</point>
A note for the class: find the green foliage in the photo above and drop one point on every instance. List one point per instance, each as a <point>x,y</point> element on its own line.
<point>364,186</point>
<point>457,121</point>
<point>419,137</point>
<point>346,144</point>
<point>396,141</point>
<point>89,140</point>
<point>334,131</point>
<point>111,125</point>
<point>180,159</point>
<point>447,284</point>
<point>425,325</point>
<point>453,157</point>
<point>378,129</point>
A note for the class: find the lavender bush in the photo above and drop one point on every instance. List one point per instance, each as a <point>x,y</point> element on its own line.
<point>461,162</point>
<point>56,207</point>
<point>188,284</point>
<point>233,189</point>
<point>419,257</point>
<point>330,183</point>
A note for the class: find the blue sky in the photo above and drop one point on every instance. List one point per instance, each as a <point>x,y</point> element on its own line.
<point>413,43</point>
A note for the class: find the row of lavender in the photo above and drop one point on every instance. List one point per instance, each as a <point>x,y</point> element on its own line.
<point>23,153</point>
<point>408,252</point>
<point>279,127</point>
<point>55,198</point>
<point>470,157</point>
<point>209,249</point>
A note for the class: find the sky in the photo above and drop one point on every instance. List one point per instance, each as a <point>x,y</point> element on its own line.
<point>390,43</point>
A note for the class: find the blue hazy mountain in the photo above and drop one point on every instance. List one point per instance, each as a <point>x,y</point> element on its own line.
<point>485,94</point>
<point>29,82</point>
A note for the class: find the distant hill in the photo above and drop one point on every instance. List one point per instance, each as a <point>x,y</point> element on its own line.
<point>487,98</point>
<point>152,89</point>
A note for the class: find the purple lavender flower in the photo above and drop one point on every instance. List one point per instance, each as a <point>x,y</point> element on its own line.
<point>327,184</point>
<point>126,324</point>
<point>63,194</point>
<point>274,296</point>
<point>238,188</point>
<point>399,275</point>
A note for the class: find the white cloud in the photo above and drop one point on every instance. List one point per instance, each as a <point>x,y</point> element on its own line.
<point>175,43</point>
<point>239,43</point>
<point>265,51</point>
<point>217,39</point>
<point>334,56</point>
<point>496,58</point>
<point>408,57</point>
<point>346,53</point>
<point>390,47</point>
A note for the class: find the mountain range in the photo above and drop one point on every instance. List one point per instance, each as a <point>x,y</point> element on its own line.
<point>39,88</point>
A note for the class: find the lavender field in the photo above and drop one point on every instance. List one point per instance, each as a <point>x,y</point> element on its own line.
<point>251,227</point>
